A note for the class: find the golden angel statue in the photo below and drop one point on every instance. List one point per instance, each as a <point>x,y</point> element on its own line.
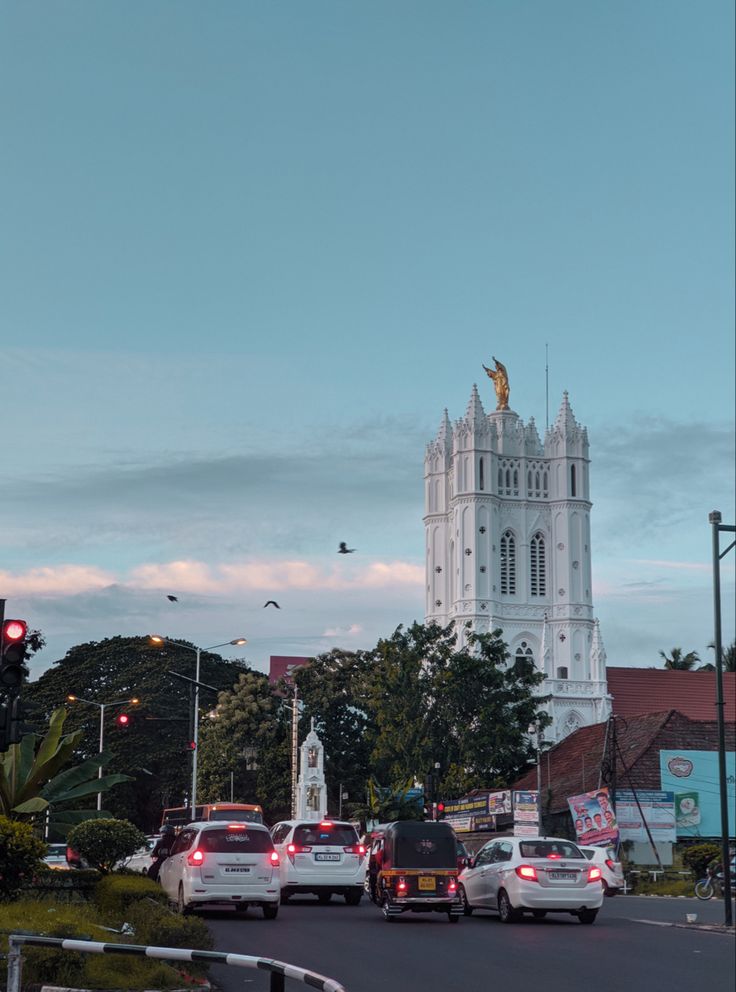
<point>500,383</point>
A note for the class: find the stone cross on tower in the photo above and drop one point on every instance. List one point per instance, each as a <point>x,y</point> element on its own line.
<point>311,794</point>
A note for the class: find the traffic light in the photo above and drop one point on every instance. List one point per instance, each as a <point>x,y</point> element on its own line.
<point>13,653</point>
<point>190,746</point>
<point>122,720</point>
<point>440,811</point>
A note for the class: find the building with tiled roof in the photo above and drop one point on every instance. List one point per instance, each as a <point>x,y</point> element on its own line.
<point>583,761</point>
<point>648,690</point>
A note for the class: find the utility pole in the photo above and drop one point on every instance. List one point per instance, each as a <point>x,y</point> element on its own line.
<point>294,751</point>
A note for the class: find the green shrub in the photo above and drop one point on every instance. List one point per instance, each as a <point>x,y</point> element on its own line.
<point>68,885</point>
<point>104,842</point>
<point>157,926</point>
<point>119,971</point>
<point>20,856</point>
<point>114,894</point>
<point>699,856</point>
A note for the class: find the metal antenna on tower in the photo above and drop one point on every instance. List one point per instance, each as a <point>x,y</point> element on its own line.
<point>546,382</point>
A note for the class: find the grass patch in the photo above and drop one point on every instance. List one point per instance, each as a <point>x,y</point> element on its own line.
<point>663,887</point>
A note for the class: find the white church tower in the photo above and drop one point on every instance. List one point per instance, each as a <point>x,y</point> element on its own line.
<point>507,523</point>
<point>311,796</point>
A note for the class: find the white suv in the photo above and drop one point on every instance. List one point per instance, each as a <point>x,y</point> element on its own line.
<point>320,857</point>
<point>217,862</point>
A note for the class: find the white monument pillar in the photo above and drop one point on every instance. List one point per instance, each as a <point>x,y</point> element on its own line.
<point>311,794</point>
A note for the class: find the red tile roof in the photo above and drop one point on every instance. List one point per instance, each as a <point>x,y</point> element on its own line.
<point>649,690</point>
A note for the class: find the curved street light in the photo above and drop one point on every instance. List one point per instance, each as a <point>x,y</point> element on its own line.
<point>160,639</point>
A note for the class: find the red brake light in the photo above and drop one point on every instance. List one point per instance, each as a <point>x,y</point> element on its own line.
<point>527,872</point>
<point>236,826</point>
<point>594,874</point>
<point>401,887</point>
<point>293,849</point>
<point>355,849</point>
<point>452,886</point>
<point>195,858</point>
<point>275,858</point>
<point>553,856</point>
<point>327,823</point>
<point>610,864</point>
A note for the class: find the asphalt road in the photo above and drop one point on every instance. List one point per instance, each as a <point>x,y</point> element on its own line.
<point>423,953</point>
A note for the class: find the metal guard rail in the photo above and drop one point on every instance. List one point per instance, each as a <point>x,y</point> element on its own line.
<point>279,970</point>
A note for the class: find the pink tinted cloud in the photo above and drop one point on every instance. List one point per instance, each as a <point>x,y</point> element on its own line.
<point>60,580</point>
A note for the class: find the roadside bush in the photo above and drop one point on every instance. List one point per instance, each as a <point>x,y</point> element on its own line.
<point>156,925</point>
<point>699,856</point>
<point>65,885</point>
<point>105,842</point>
<point>20,856</point>
<point>114,894</point>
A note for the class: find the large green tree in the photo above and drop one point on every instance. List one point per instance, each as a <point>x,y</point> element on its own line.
<point>152,748</point>
<point>246,735</point>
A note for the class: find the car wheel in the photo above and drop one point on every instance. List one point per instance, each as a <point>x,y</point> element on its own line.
<point>587,915</point>
<point>323,898</point>
<point>505,910</point>
<point>467,908</point>
<point>353,897</point>
<point>609,890</point>
<point>182,907</point>
<point>270,910</point>
<point>386,906</point>
<point>539,914</point>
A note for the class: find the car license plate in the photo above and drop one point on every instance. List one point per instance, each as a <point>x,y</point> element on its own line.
<point>239,870</point>
<point>563,876</point>
<point>327,857</point>
<point>427,883</point>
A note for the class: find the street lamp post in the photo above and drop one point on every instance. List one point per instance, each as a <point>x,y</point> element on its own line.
<point>102,707</point>
<point>158,639</point>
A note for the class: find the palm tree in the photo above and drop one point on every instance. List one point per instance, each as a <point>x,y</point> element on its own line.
<point>679,662</point>
<point>729,658</point>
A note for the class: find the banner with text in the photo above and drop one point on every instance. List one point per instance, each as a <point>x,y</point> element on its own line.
<point>477,812</point>
<point>526,814</point>
<point>657,811</point>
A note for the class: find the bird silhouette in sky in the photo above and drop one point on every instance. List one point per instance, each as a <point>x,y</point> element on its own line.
<point>271,602</point>
<point>173,599</point>
<point>344,549</point>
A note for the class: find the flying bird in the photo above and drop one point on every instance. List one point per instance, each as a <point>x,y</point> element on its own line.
<point>344,549</point>
<point>173,599</point>
<point>271,602</point>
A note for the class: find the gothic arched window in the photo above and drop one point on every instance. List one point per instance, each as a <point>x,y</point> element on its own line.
<point>572,481</point>
<point>537,565</point>
<point>508,563</point>
<point>480,476</point>
<point>525,656</point>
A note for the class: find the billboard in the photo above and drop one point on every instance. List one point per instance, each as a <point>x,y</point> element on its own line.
<point>693,777</point>
<point>594,818</point>
<point>658,809</point>
<point>526,814</point>
<point>477,812</point>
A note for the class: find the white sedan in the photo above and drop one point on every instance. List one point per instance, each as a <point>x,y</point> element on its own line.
<point>141,860</point>
<point>537,875</point>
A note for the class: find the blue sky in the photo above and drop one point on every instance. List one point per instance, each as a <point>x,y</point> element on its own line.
<point>251,251</point>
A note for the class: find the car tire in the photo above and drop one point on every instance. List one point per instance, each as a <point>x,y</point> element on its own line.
<point>284,897</point>
<point>505,910</point>
<point>270,910</point>
<point>353,897</point>
<point>587,916</point>
<point>609,890</point>
<point>385,906</point>
<point>323,898</point>
<point>467,908</point>
<point>182,907</point>
<point>453,917</point>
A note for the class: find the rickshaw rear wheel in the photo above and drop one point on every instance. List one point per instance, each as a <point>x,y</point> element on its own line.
<point>452,917</point>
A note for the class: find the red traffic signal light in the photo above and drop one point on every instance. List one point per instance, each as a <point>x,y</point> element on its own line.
<point>122,720</point>
<point>440,811</point>
<point>13,652</point>
<point>190,746</point>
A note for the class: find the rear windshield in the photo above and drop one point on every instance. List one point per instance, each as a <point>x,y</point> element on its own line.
<point>426,852</point>
<point>545,849</point>
<point>250,841</point>
<point>314,834</point>
<point>236,815</point>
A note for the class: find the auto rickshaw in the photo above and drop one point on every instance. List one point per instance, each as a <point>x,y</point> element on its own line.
<point>414,869</point>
